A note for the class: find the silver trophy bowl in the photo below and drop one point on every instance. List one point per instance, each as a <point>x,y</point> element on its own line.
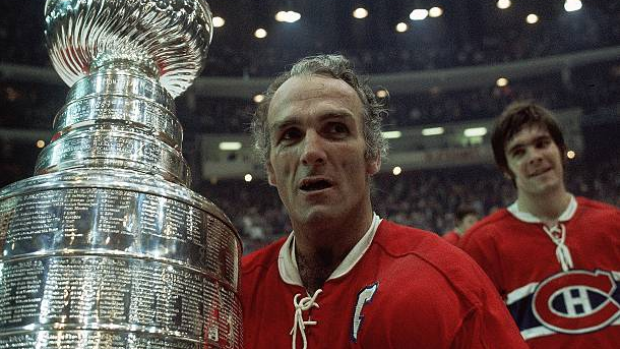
<point>106,246</point>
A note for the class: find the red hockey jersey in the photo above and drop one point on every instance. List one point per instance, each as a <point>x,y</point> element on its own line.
<point>398,288</point>
<point>555,308</point>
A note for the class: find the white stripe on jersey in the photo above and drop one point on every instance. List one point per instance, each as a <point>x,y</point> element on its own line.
<point>521,292</point>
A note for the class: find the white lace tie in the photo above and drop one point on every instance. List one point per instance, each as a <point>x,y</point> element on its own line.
<point>557,234</point>
<point>298,321</point>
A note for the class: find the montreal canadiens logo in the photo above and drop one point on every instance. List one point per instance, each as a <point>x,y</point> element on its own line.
<point>577,301</point>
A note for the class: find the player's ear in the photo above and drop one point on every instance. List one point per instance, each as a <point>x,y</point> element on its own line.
<point>373,165</point>
<point>271,176</point>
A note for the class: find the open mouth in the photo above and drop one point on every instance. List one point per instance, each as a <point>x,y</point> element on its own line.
<point>310,185</point>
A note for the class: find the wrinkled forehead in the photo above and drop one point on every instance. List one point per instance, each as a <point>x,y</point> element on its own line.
<point>305,93</point>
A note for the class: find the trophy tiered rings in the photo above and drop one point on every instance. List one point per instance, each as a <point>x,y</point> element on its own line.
<point>106,246</point>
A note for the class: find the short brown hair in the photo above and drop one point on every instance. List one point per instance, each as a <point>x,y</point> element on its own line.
<point>513,119</point>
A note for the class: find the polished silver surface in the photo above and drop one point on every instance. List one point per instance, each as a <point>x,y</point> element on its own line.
<point>145,259</point>
<point>106,246</point>
<point>114,145</point>
<point>163,39</point>
<point>136,113</point>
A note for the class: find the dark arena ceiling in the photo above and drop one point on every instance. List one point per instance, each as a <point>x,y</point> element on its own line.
<point>467,32</point>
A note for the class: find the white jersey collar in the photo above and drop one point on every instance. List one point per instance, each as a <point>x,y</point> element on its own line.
<point>287,262</point>
<point>527,217</point>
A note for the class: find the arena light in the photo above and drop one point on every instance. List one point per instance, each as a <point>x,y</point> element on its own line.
<point>230,146</point>
<point>572,5</point>
<point>381,93</point>
<point>392,134</point>
<point>360,13</point>
<point>503,4</point>
<point>435,12</point>
<point>258,98</point>
<point>570,154</point>
<point>260,33</point>
<point>288,16</point>
<point>531,18</point>
<point>248,177</point>
<point>501,82</point>
<point>397,170</point>
<point>218,22</point>
<point>402,27</point>
<point>433,131</point>
<point>40,144</point>
<point>475,132</point>
<point>418,14</point>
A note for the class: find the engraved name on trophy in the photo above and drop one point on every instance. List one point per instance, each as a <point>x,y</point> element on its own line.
<point>106,247</point>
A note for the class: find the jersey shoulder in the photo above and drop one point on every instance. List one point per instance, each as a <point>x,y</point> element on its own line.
<point>416,254</point>
<point>424,248</point>
<point>263,258</point>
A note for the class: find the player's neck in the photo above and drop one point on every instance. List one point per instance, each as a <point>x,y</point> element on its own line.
<point>316,268</point>
<point>547,207</point>
<point>319,253</point>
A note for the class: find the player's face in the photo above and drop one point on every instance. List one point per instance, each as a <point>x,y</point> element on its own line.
<point>535,161</point>
<point>468,221</point>
<point>317,149</point>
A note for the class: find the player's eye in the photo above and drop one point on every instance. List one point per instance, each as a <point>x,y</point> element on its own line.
<point>517,153</point>
<point>290,134</point>
<point>337,129</point>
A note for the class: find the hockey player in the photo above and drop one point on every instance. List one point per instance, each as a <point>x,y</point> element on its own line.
<point>464,217</point>
<point>345,278</point>
<point>554,258</point>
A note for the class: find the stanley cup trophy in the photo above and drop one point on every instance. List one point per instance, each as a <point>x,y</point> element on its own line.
<point>106,247</point>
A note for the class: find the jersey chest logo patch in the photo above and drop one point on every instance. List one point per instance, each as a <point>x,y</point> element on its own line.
<point>364,296</point>
<point>577,301</point>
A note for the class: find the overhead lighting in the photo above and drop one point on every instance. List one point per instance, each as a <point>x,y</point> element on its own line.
<point>218,22</point>
<point>397,170</point>
<point>501,82</point>
<point>531,18</point>
<point>572,5</point>
<point>228,146</point>
<point>418,14</point>
<point>402,27</point>
<point>392,134</point>
<point>288,16</point>
<point>260,33</point>
<point>360,13</point>
<point>40,143</point>
<point>503,4</point>
<point>475,132</point>
<point>248,177</point>
<point>258,98</point>
<point>570,154</point>
<point>435,12</point>
<point>382,93</point>
<point>433,131</point>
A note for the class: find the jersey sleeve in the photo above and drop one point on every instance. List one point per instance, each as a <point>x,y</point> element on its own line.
<point>489,326</point>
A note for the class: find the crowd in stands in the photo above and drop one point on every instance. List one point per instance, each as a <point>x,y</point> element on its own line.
<point>590,87</point>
